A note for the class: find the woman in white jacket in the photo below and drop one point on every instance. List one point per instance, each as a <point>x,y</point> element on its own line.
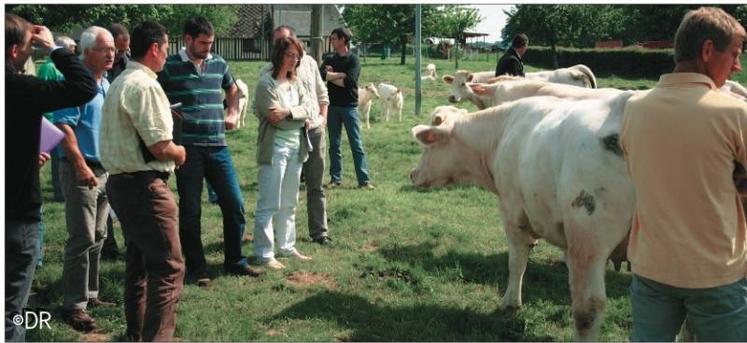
<point>282,105</point>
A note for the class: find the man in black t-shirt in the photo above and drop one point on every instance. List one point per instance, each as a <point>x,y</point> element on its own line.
<point>341,72</point>
<point>511,62</point>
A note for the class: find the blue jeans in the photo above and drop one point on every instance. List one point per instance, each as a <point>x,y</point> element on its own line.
<point>338,116</point>
<point>215,165</point>
<point>715,314</point>
<point>20,263</point>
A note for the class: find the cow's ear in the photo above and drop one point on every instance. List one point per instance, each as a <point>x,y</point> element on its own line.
<point>428,135</point>
<point>469,77</point>
<point>437,119</point>
<point>448,79</point>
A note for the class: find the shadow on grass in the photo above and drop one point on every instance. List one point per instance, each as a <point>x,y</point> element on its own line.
<point>544,280</point>
<point>372,322</point>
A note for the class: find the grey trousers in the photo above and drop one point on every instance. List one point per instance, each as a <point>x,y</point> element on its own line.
<point>86,211</point>
<point>313,169</point>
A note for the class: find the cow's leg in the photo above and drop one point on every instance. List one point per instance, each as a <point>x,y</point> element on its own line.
<point>519,244</point>
<point>588,298</point>
<point>365,109</point>
<point>400,109</point>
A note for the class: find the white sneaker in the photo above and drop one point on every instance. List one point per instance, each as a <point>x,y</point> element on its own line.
<point>272,263</point>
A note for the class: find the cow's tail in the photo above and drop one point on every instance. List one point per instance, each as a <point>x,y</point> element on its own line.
<point>587,72</point>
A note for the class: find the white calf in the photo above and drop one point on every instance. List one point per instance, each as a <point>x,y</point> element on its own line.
<point>391,100</point>
<point>430,73</point>
<point>243,97</point>
<point>365,100</point>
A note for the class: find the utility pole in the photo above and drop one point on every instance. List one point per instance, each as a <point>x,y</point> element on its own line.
<point>317,42</point>
<point>418,80</point>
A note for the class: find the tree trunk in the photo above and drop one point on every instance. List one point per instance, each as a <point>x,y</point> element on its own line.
<point>403,45</point>
<point>456,55</point>
<point>554,51</point>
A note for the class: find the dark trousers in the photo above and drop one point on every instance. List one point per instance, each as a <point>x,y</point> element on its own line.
<point>154,264</point>
<point>215,165</point>
<point>21,237</point>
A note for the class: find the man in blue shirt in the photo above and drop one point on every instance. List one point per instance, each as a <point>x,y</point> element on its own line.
<point>83,181</point>
<point>196,78</point>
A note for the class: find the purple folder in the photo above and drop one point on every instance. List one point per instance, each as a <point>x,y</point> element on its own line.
<point>50,136</point>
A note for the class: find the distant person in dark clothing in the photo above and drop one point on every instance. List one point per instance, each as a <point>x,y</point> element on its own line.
<point>511,62</point>
<point>122,56</point>
<point>27,98</point>
<point>341,72</point>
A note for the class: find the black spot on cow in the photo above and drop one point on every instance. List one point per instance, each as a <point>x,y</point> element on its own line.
<point>585,200</point>
<point>612,143</point>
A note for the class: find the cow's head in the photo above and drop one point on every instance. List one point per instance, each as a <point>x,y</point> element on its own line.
<point>459,87</point>
<point>445,160</point>
<point>372,89</point>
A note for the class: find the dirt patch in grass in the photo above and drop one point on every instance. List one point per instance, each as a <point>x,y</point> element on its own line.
<point>306,279</point>
<point>273,333</point>
<point>372,246</point>
<point>95,337</point>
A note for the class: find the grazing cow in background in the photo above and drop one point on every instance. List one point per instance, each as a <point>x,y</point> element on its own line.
<point>391,100</point>
<point>559,171</point>
<point>430,73</point>
<point>365,100</point>
<point>243,97</point>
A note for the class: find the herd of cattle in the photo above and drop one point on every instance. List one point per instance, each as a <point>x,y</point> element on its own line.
<point>547,146</point>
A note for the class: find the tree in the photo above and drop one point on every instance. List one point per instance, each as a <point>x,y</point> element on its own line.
<point>454,21</point>
<point>57,17</point>
<point>387,24</point>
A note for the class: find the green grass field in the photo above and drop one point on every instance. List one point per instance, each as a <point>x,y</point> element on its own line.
<point>406,265</point>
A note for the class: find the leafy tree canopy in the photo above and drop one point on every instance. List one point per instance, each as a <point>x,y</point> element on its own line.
<point>58,17</point>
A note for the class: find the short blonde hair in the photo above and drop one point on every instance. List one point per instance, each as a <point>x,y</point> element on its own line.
<point>702,24</point>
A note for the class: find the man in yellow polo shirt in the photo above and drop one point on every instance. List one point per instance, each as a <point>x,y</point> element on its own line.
<point>138,152</point>
<point>681,141</point>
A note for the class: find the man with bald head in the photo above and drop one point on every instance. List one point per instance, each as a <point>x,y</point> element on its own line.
<point>83,181</point>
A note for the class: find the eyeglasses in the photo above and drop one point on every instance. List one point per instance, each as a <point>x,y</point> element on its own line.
<point>104,49</point>
<point>292,55</point>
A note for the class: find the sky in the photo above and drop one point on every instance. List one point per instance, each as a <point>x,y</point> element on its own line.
<point>493,20</point>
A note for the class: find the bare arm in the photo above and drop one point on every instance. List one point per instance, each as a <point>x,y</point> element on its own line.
<point>83,173</point>
<point>232,97</point>
<point>338,82</point>
<point>168,151</point>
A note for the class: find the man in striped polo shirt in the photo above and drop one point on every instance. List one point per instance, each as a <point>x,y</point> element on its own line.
<point>196,78</point>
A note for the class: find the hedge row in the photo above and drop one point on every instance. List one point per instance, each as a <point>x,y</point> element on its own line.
<point>628,62</point>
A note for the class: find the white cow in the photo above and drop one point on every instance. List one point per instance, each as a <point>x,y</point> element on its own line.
<point>365,100</point>
<point>391,100</point>
<point>735,89</point>
<point>508,88</point>
<point>430,73</point>
<point>461,78</point>
<point>559,171</point>
<point>578,75</point>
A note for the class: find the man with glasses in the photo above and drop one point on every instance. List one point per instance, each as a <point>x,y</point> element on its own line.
<point>83,181</point>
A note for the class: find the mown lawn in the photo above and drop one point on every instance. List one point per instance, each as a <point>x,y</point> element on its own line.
<point>406,265</point>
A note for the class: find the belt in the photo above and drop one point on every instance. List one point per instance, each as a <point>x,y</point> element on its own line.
<point>145,174</point>
<point>91,164</point>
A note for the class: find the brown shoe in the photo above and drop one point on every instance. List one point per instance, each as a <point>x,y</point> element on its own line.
<point>79,320</point>
<point>96,302</point>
